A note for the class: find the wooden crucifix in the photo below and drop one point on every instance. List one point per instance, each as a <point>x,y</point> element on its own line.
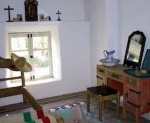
<point>9,18</point>
<point>58,13</point>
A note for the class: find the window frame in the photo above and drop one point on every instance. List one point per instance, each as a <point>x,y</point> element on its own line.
<point>31,50</point>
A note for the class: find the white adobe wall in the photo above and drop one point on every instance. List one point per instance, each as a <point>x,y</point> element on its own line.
<point>74,46</point>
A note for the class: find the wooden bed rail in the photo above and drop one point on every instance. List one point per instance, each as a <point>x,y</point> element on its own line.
<point>31,100</point>
<point>11,78</point>
<point>10,91</point>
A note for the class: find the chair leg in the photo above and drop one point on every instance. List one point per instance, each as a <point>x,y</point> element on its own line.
<point>88,101</point>
<point>100,105</point>
<point>118,103</point>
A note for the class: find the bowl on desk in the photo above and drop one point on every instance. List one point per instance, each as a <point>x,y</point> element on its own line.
<point>109,63</point>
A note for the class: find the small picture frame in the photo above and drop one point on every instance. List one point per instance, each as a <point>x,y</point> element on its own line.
<point>15,20</point>
<point>31,10</point>
<point>41,17</point>
<point>48,18</point>
<point>19,17</point>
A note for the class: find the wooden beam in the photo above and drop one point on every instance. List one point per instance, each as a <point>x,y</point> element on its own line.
<point>31,100</point>
<point>22,79</point>
<point>10,91</point>
<point>11,78</point>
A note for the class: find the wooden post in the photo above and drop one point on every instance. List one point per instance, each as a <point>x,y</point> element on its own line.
<point>22,79</point>
<point>23,86</point>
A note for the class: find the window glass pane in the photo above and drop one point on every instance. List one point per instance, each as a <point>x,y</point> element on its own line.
<point>40,42</point>
<point>35,47</point>
<point>22,54</point>
<point>19,43</point>
<point>41,63</point>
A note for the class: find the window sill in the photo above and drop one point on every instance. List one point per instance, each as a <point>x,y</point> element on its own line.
<point>36,82</point>
<point>48,80</point>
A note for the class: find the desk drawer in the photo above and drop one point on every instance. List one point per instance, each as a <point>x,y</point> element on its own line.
<point>115,76</point>
<point>116,85</point>
<point>132,81</point>
<point>100,80</point>
<point>100,71</point>
<point>133,84</point>
<point>133,97</point>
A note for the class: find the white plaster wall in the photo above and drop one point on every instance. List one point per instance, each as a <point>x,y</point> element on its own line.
<point>134,16</point>
<point>116,20</point>
<point>75,61</point>
<point>104,17</point>
<point>74,46</point>
<point>98,33</point>
<point>112,26</point>
<point>70,9</point>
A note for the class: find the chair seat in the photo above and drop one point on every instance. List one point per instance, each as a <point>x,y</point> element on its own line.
<point>102,90</point>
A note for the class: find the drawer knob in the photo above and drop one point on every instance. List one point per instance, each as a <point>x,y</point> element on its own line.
<point>132,82</point>
<point>100,70</point>
<point>99,77</point>
<point>115,75</point>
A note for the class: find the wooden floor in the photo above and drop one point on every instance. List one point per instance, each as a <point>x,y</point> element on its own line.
<point>109,114</point>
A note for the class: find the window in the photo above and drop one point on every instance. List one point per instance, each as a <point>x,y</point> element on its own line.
<point>36,48</point>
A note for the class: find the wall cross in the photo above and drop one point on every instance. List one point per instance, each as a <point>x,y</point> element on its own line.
<point>9,9</point>
<point>58,13</point>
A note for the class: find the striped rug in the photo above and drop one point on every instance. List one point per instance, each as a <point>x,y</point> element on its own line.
<point>67,106</point>
<point>75,113</point>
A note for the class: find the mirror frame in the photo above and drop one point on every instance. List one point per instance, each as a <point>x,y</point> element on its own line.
<point>133,64</point>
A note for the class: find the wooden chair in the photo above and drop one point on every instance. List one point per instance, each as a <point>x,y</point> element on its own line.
<point>103,93</point>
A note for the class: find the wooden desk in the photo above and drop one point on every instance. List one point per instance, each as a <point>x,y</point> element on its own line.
<point>135,91</point>
<point>115,73</point>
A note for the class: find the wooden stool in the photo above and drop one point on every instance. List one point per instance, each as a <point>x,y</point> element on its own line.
<point>103,93</point>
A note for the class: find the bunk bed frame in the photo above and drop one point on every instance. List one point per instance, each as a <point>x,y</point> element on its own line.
<point>12,91</point>
<point>19,90</point>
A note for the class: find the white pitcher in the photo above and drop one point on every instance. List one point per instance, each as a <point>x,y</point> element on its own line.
<point>109,55</point>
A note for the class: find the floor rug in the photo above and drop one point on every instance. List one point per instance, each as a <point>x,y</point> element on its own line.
<point>67,106</point>
<point>75,113</point>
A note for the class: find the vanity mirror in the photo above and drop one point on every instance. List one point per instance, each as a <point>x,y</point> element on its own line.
<point>134,50</point>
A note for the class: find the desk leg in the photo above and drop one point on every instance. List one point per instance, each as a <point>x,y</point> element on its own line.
<point>118,102</point>
<point>137,116</point>
<point>88,101</point>
<point>124,112</point>
<point>100,106</point>
<point>124,104</point>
